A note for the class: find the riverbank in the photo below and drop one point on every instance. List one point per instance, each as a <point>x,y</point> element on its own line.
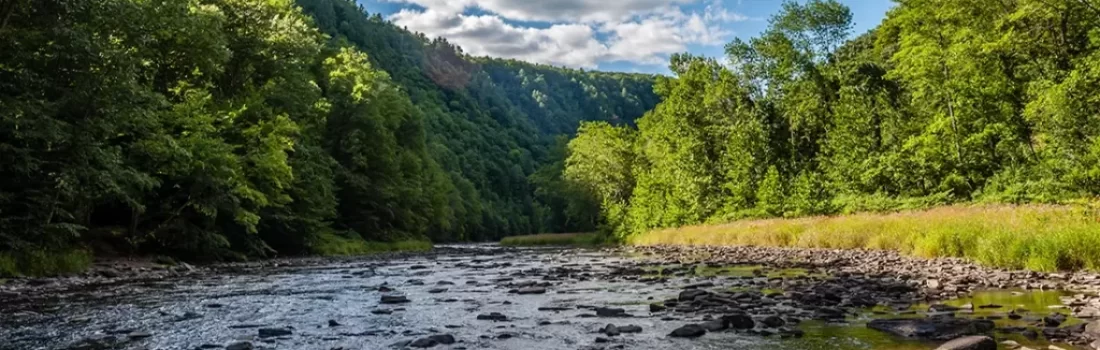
<point>80,262</point>
<point>555,239</point>
<point>1036,237</point>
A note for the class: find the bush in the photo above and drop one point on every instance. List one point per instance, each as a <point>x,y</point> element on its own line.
<point>44,263</point>
<point>558,239</point>
<point>330,244</point>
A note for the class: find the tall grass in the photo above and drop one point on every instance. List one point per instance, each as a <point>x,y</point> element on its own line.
<point>1037,237</point>
<point>44,263</point>
<point>562,239</point>
<point>335,245</point>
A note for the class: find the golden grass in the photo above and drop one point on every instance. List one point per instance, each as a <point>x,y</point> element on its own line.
<point>564,239</point>
<point>1037,237</point>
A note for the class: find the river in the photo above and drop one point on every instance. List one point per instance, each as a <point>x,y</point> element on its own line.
<point>530,299</point>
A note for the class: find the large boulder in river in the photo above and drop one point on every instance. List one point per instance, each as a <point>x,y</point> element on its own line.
<point>973,342</point>
<point>932,328</point>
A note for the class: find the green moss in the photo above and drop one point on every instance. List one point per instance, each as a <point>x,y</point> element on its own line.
<point>558,239</point>
<point>44,263</point>
<point>335,245</point>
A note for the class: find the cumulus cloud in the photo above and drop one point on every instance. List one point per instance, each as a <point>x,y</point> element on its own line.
<point>575,33</point>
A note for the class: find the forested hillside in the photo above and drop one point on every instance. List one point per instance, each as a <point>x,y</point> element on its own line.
<point>231,128</point>
<point>946,101</point>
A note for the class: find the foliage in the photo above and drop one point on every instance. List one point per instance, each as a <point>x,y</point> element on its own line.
<point>946,101</point>
<point>334,245</point>
<point>44,263</point>
<point>209,129</point>
<point>555,239</point>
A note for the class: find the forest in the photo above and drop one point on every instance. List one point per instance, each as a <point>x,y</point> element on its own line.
<point>237,129</point>
<point>944,102</point>
<point>231,129</point>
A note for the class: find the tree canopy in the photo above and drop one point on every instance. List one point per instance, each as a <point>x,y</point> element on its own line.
<point>234,128</point>
<point>945,101</point>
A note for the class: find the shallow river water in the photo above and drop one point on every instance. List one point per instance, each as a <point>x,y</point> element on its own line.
<point>337,306</point>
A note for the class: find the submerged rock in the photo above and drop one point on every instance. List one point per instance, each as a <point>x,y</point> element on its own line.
<point>932,328</point>
<point>691,294</point>
<point>532,290</point>
<point>773,321</point>
<point>714,325</point>
<point>739,321</point>
<point>611,312</point>
<point>974,342</point>
<point>274,332</point>
<point>239,346</point>
<point>688,331</point>
<point>493,316</point>
<point>438,339</point>
<point>394,299</point>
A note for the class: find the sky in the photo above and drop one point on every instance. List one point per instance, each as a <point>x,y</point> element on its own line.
<point>609,35</point>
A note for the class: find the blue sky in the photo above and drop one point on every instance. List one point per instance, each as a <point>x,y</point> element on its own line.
<point>613,35</point>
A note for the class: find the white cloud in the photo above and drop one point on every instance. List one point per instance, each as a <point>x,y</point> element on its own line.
<point>575,33</point>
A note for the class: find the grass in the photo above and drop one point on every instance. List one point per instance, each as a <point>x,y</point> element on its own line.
<point>335,245</point>
<point>562,239</point>
<point>1036,237</point>
<point>44,263</point>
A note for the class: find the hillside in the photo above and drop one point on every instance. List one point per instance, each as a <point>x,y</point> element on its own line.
<point>229,129</point>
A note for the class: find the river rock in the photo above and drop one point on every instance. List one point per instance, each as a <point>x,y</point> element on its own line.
<point>691,294</point>
<point>739,321</point>
<point>656,308</point>
<point>688,331</point>
<point>773,321</point>
<point>714,325</point>
<point>532,290</point>
<point>1054,320</point>
<point>274,332</point>
<point>611,312</point>
<point>974,342</point>
<point>239,346</point>
<point>96,343</point>
<point>394,299</point>
<point>932,328</point>
<point>493,316</point>
<point>427,342</point>
<point>610,330</point>
<point>1093,329</point>
<point>138,335</point>
<point>630,329</point>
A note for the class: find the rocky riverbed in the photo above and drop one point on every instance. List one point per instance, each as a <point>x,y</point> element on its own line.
<point>488,297</point>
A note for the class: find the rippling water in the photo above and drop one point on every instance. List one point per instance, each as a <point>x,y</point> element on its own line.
<point>217,310</point>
